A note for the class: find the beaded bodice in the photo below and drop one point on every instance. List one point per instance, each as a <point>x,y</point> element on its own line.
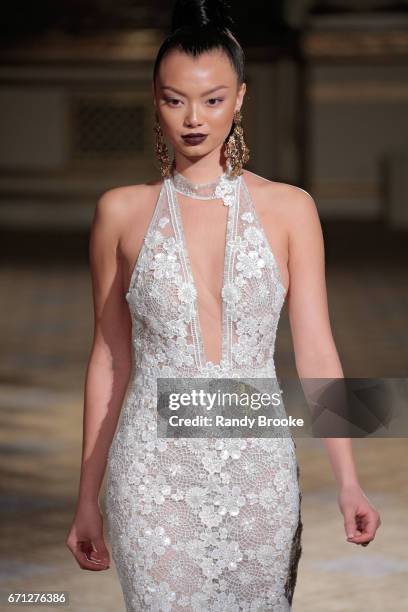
<point>163,300</point>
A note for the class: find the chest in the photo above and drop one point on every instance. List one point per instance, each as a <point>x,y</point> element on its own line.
<point>223,264</point>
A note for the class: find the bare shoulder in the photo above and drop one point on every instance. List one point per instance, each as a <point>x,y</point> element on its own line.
<point>116,206</point>
<point>284,192</point>
<point>291,203</point>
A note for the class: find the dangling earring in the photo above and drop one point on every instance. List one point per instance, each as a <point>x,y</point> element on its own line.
<point>162,152</point>
<point>236,151</point>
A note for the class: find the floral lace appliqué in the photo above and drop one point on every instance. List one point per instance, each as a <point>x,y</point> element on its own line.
<point>202,524</point>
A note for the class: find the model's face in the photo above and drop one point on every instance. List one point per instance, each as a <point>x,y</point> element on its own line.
<point>197,95</point>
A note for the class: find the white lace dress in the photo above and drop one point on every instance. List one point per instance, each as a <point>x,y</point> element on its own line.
<point>204,524</point>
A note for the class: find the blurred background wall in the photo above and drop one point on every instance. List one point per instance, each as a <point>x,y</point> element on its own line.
<point>326,103</point>
<point>326,109</point>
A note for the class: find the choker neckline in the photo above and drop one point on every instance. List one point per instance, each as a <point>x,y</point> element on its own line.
<point>222,188</point>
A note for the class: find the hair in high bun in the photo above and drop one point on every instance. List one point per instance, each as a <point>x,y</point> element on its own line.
<point>198,26</point>
<point>201,13</point>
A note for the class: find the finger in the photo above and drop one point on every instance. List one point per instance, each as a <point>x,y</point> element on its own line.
<point>369,524</point>
<point>93,555</point>
<point>365,536</point>
<point>82,554</point>
<point>357,533</point>
<point>99,551</point>
<point>362,539</point>
<point>349,523</point>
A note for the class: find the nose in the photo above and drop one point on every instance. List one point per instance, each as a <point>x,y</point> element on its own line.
<point>192,118</point>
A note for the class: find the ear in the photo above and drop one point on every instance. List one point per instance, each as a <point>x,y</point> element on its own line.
<point>240,96</point>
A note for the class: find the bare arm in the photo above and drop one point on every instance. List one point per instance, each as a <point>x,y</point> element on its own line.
<point>107,377</point>
<point>315,351</point>
<point>109,363</point>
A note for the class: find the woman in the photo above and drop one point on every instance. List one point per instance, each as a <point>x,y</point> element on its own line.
<point>201,524</point>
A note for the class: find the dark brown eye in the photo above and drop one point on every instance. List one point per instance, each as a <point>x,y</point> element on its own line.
<point>172,101</point>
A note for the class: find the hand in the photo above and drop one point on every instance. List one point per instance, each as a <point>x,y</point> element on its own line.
<point>85,539</point>
<point>361,519</point>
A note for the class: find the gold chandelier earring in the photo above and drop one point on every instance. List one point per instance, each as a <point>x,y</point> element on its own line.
<point>236,151</point>
<point>162,152</point>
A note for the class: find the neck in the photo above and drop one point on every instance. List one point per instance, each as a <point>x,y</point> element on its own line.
<point>179,176</point>
<point>202,171</point>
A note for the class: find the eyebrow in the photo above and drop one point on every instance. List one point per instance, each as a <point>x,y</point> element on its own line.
<point>204,94</point>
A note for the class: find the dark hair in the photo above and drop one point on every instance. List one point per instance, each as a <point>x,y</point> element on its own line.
<point>199,26</point>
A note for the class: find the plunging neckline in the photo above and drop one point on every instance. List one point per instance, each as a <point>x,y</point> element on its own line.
<point>197,333</point>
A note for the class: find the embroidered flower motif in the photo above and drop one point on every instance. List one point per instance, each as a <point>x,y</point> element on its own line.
<point>247,216</point>
<point>212,462</point>
<point>171,245</point>
<point>225,191</point>
<point>187,292</point>
<point>155,291</point>
<point>247,326</point>
<point>161,598</point>
<point>175,328</point>
<point>253,235</point>
<point>229,500</point>
<point>232,449</point>
<point>186,311</point>
<point>195,549</point>
<point>268,256</point>
<point>178,495</point>
<point>195,497</point>
<point>245,350</point>
<point>154,490</point>
<point>267,497</point>
<point>180,353</point>
<point>228,554</point>
<point>250,264</point>
<point>214,370</point>
<point>249,524</point>
<point>209,516</point>
<point>231,295</point>
<point>154,541</point>
<point>154,239</point>
<point>164,266</point>
<point>266,554</point>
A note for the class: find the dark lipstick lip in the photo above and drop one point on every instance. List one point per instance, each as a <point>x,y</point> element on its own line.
<point>193,134</point>
<point>194,138</point>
